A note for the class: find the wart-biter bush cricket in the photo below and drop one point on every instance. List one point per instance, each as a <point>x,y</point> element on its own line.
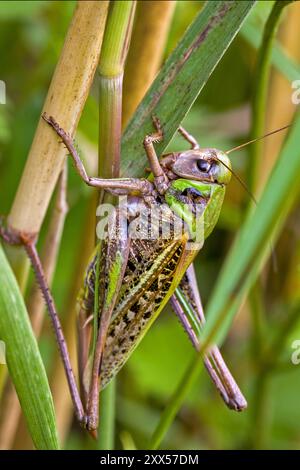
<point>133,274</point>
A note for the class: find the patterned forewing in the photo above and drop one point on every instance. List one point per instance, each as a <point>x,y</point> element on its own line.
<point>148,277</point>
<point>151,270</point>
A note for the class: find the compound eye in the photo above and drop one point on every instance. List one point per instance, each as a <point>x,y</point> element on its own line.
<point>203,165</point>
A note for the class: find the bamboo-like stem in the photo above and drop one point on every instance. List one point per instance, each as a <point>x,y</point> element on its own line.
<point>110,106</point>
<point>151,26</point>
<point>66,96</point>
<point>65,99</point>
<point>111,68</point>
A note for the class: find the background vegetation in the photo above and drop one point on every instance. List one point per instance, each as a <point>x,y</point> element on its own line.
<point>258,346</point>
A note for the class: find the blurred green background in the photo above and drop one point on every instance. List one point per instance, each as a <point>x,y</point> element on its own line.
<point>31,38</point>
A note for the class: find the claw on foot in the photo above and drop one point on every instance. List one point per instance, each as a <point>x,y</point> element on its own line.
<point>158,126</point>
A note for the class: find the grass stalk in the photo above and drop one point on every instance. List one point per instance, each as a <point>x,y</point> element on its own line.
<point>111,69</point>
<point>171,410</point>
<point>107,417</point>
<point>260,93</point>
<point>280,108</point>
<point>268,360</point>
<point>260,411</point>
<point>150,30</point>
<point>259,106</point>
<point>50,250</point>
<point>258,315</point>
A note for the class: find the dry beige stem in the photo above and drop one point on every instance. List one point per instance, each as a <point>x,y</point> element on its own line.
<point>148,40</point>
<point>67,94</point>
<point>10,413</point>
<point>36,302</point>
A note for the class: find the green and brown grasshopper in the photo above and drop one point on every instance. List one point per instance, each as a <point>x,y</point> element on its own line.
<point>135,277</point>
<point>132,276</point>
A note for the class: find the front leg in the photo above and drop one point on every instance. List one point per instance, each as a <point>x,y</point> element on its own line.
<point>116,186</point>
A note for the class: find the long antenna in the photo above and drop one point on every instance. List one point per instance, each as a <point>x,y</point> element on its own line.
<point>245,186</point>
<point>258,138</point>
<point>239,180</point>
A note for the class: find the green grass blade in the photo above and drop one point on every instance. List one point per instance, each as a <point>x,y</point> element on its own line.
<point>107,417</point>
<point>182,78</point>
<point>168,415</point>
<point>260,93</point>
<point>283,63</point>
<point>24,362</point>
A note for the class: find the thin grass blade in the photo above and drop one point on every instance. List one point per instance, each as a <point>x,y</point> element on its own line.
<point>182,78</point>
<point>24,362</point>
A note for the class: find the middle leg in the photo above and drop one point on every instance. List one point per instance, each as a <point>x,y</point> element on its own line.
<point>160,178</point>
<point>187,136</point>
